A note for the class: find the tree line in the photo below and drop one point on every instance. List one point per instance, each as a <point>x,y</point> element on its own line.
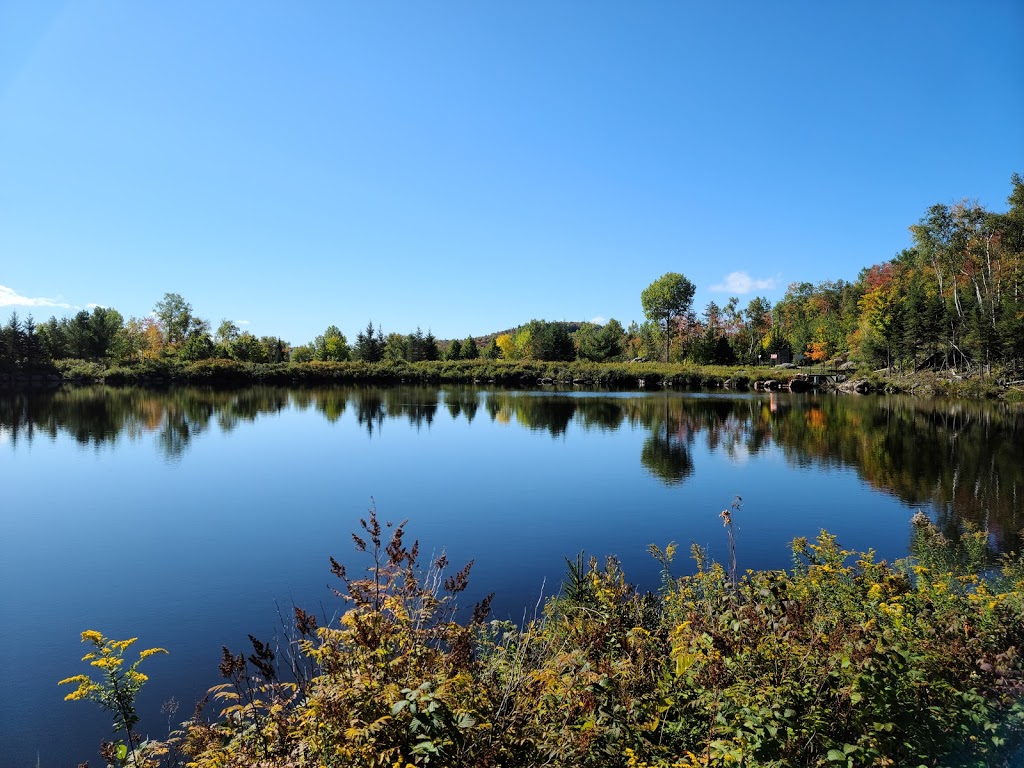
<point>954,299</point>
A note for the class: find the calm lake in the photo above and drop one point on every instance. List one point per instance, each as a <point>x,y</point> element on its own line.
<point>190,518</point>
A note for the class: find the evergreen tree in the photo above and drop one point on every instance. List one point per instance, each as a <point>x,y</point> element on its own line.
<point>550,341</point>
<point>369,346</point>
<point>430,350</point>
<point>11,343</point>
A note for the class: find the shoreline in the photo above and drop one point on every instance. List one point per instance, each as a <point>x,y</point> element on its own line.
<point>577,374</point>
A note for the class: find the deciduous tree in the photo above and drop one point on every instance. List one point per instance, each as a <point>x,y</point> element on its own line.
<point>175,317</point>
<point>668,297</point>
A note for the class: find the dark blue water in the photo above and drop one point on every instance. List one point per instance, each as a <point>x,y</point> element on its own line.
<point>191,518</point>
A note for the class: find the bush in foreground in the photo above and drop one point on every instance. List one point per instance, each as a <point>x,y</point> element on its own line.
<point>841,661</point>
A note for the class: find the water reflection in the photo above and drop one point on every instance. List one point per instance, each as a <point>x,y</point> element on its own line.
<point>961,459</point>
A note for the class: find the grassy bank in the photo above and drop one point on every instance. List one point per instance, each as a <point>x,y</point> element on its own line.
<point>620,376</point>
<point>526,373</point>
<point>840,661</point>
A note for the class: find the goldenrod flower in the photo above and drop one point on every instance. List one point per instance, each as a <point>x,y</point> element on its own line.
<point>74,679</point>
<point>151,652</point>
<point>92,636</point>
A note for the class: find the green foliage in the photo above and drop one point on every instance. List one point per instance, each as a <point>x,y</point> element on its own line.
<point>600,344</point>
<point>115,691</point>
<point>550,341</point>
<point>72,369</point>
<point>369,346</point>
<point>174,315</point>
<point>664,300</point>
<point>22,346</point>
<point>247,348</point>
<point>331,346</point>
<point>844,660</point>
<point>493,350</point>
<point>469,349</point>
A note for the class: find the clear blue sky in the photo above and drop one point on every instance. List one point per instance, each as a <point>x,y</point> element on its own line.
<point>468,166</point>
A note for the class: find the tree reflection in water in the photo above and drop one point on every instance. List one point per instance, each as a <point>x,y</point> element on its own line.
<point>959,459</point>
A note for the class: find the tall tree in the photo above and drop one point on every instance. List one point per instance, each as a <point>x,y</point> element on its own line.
<point>12,342</point>
<point>227,333</point>
<point>422,347</point>
<point>247,348</point>
<point>175,317</point>
<point>331,345</point>
<point>882,308</point>
<point>493,351</point>
<point>600,343</point>
<point>430,350</point>
<point>507,346</point>
<point>396,348</point>
<point>80,339</point>
<point>104,323</point>
<point>369,346</point>
<point>469,349</point>
<point>550,341</point>
<point>275,349</point>
<point>668,297</point>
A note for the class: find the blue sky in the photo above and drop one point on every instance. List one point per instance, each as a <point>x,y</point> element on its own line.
<point>468,166</point>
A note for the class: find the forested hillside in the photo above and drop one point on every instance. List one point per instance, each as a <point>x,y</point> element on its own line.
<point>954,299</point>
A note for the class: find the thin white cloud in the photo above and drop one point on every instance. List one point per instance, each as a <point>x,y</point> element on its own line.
<point>10,298</point>
<point>241,322</point>
<point>598,320</point>
<point>741,282</point>
<point>93,305</point>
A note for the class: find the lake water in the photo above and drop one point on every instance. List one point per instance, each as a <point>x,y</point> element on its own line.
<point>191,518</point>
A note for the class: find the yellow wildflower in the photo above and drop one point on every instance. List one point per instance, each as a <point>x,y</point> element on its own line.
<point>85,687</point>
<point>92,636</point>
<point>151,652</point>
<point>74,679</point>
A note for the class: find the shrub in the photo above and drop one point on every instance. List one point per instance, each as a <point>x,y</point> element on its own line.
<point>841,661</point>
